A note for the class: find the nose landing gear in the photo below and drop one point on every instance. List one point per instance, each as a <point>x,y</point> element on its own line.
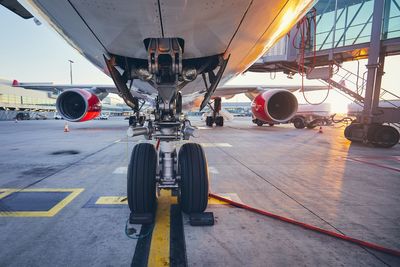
<point>162,168</point>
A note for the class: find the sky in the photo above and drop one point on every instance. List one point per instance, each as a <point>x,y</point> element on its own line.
<point>31,53</point>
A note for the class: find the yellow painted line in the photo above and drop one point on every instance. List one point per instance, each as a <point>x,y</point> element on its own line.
<point>160,241</point>
<point>214,201</point>
<point>111,201</point>
<point>122,200</point>
<point>74,192</point>
<point>6,192</point>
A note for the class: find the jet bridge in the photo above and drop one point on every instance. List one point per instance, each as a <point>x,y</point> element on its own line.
<point>336,31</point>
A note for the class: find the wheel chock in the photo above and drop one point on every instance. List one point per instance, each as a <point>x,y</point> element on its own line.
<point>141,218</point>
<point>201,219</point>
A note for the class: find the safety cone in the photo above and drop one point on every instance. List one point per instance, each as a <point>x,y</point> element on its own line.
<point>320,129</point>
<point>66,128</point>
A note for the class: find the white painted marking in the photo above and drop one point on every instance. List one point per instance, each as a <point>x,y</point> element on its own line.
<point>231,196</point>
<point>121,170</point>
<point>213,170</point>
<point>216,145</point>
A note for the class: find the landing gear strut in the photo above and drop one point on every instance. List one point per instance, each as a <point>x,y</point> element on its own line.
<point>152,169</point>
<point>215,117</point>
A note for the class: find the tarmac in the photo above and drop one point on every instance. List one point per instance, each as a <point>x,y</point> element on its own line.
<point>62,198</point>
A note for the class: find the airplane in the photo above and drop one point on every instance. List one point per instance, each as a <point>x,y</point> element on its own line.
<point>255,93</point>
<point>174,51</point>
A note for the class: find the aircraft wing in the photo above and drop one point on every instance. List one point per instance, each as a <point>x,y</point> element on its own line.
<point>48,86</point>
<point>51,87</point>
<point>253,90</point>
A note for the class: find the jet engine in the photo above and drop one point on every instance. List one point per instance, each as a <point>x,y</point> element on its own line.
<point>274,106</point>
<point>78,105</point>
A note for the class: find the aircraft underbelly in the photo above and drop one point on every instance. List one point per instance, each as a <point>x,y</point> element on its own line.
<point>120,26</point>
<point>240,29</point>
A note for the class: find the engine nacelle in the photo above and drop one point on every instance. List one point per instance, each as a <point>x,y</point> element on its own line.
<point>274,106</point>
<point>78,105</point>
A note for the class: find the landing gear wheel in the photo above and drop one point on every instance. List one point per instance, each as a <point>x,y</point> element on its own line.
<point>132,121</point>
<point>194,178</point>
<point>384,136</point>
<point>142,119</point>
<point>142,179</point>
<point>352,132</point>
<point>219,121</point>
<point>209,121</point>
<point>259,123</point>
<point>299,123</point>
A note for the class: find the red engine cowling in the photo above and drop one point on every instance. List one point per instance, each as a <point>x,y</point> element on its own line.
<point>274,106</point>
<point>78,105</point>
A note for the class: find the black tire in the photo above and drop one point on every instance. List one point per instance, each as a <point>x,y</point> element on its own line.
<point>259,123</point>
<point>194,178</point>
<point>209,121</point>
<point>219,121</point>
<point>384,136</point>
<point>142,119</point>
<point>20,117</point>
<point>132,121</point>
<point>299,123</point>
<point>350,132</point>
<point>142,179</point>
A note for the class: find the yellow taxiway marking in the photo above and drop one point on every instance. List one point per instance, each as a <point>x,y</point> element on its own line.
<point>74,192</point>
<point>111,201</point>
<point>230,196</point>
<point>114,200</point>
<point>214,201</point>
<point>6,192</point>
<point>160,240</point>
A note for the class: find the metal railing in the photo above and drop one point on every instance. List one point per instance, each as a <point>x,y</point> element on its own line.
<point>354,85</point>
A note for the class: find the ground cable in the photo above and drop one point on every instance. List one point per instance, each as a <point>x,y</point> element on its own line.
<point>310,227</point>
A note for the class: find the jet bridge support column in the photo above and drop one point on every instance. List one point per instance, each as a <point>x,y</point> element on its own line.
<point>369,128</point>
<point>374,68</point>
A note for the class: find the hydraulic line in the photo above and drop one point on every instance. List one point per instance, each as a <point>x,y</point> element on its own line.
<point>309,227</point>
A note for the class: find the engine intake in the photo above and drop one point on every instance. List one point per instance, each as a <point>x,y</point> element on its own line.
<point>78,105</point>
<point>274,106</point>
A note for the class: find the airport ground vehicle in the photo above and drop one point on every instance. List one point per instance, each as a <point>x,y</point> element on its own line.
<point>103,116</point>
<point>177,54</point>
<point>309,116</point>
<point>38,116</point>
<point>58,117</point>
<point>310,121</point>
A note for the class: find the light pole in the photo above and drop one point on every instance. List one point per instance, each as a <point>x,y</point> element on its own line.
<point>70,69</point>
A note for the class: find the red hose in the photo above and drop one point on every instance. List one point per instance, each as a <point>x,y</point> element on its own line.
<point>310,227</point>
<point>158,144</point>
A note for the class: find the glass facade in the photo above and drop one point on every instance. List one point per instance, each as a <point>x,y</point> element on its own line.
<point>26,100</point>
<point>351,22</point>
